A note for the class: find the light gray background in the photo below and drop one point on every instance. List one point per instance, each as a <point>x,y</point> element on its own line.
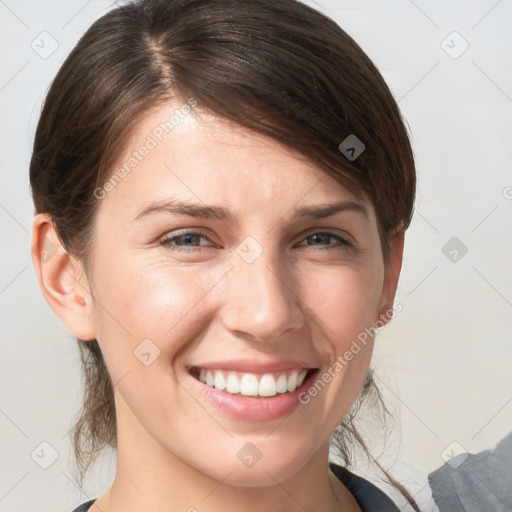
<point>443,362</point>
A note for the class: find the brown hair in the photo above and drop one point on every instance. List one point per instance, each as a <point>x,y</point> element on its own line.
<point>274,66</point>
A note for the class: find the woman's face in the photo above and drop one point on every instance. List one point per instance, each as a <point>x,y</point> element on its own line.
<point>279,285</point>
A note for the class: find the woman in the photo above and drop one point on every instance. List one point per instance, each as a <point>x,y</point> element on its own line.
<point>221,190</point>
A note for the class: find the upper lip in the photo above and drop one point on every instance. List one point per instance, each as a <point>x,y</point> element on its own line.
<point>252,366</point>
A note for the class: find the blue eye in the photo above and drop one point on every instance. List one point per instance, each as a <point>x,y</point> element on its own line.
<point>343,241</point>
<point>191,238</point>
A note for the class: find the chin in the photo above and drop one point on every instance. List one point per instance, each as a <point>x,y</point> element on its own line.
<point>268,470</point>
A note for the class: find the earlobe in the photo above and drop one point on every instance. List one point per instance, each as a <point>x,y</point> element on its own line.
<point>62,279</point>
<point>391,275</point>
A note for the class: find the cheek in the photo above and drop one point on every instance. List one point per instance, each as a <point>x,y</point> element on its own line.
<point>150,313</point>
<point>148,302</point>
<point>344,300</point>
<point>344,304</point>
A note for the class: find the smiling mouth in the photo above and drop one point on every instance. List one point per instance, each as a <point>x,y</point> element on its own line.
<point>252,384</point>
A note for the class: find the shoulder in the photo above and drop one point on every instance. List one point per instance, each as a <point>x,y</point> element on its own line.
<point>369,497</point>
<point>475,481</point>
<point>84,506</point>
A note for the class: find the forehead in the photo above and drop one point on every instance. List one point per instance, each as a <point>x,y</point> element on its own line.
<point>182,151</point>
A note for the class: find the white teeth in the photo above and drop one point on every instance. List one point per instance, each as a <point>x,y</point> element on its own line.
<point>233,384</point>
<point>292,381</point>
<point>282,384</point>
<point>219,381</point>
<point>249,385</point>
<point>267,385</point>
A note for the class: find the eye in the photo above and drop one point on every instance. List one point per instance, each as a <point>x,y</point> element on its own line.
<point>190,238</point>
<point>343,242</point>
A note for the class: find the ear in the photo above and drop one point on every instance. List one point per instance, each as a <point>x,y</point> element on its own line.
<point>391,274</point>
<point>62,278</point>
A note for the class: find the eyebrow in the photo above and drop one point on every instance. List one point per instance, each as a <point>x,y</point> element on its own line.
<point>179,207</point>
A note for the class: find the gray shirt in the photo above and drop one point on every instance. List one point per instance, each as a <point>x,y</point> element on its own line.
<point>475,482</point>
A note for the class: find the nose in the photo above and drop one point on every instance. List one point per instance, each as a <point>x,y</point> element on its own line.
<point>260,300</point>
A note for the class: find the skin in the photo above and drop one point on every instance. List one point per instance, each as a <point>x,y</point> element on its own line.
<point>296,300</point>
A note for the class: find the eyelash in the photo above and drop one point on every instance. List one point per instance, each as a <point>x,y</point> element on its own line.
<point>167,242</point>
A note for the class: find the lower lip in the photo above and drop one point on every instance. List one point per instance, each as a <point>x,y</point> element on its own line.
<point>253,408</point>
